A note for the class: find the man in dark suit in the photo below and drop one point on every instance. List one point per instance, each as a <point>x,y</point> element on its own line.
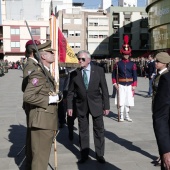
<point>151,71</point>
<point>92,97</point>
<point>161,119</point>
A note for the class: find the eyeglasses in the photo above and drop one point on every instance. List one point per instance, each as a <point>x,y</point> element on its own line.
<point>83,59</point>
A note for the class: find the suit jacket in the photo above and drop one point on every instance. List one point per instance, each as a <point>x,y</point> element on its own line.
<point>96,98</point>
<point>151,69</point>
<point>42,115</point>
<point>161,114</point>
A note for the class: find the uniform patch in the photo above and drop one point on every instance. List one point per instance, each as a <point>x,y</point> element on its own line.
<point>35,81</point>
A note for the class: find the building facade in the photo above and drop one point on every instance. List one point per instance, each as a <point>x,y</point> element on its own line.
<point>86,29</point>
<point>133,22</point>
<point>159,23</point>
<point>13,31</point>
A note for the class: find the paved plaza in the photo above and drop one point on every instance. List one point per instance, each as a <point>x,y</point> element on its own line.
<point>128,146</point>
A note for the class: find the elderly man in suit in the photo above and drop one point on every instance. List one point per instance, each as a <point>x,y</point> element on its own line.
<point>161,114</point>
<point>43,116</point>
<point>92,97</point>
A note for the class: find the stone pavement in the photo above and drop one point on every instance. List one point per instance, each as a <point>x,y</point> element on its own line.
<point>128,146</point>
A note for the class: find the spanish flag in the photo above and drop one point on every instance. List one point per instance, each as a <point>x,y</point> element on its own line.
<point>65,52</point>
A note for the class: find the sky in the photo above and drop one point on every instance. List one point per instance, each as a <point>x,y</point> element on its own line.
<point>95,3</point>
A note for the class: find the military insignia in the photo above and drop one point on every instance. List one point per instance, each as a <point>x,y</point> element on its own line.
<point>35,81</point>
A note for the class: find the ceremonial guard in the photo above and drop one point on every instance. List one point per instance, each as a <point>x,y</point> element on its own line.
<point>30,66</point>
<point>124,78</point>
<point>43,116</point>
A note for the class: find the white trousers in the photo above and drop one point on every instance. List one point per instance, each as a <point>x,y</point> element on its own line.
<point>126,97</point>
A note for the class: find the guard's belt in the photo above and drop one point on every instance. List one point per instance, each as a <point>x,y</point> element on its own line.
<point>125,79</point>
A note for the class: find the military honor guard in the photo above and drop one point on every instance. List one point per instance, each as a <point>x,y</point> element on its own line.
<point>30,66</point>
<point>43,116</point>
<point>124,78</point>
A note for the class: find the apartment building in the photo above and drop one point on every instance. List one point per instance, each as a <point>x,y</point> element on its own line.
<point>85,29</point>
<point>13,31</point>
<point>133,22</point>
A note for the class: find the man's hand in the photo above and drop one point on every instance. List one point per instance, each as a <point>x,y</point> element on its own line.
<point>116,86</point>
<point>166,160</point>
<point>106,112</point>
<point>70,112</point>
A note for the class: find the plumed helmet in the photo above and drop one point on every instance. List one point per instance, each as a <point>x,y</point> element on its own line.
<point>126,50</point>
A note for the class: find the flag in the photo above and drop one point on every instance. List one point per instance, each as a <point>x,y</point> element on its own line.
<point>65,52</point>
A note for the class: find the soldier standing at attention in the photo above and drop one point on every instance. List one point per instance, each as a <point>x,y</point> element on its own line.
<point>30,66</point>
<point>43,116</point>
<point>161,64</point>
<point>124,78</point>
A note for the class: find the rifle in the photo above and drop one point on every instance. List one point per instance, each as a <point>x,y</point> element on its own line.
<point>118,95</point>
<point>41,64</point>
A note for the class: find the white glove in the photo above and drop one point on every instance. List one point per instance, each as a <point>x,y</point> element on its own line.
<point>53,99</point>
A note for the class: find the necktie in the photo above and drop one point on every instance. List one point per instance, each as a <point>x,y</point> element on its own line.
<point>85,79</point>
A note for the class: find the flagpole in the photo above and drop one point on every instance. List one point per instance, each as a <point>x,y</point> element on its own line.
<point>54,69</point>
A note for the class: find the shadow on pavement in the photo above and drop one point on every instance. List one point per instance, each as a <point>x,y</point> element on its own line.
<point>127,144</point>
<point>17,134</point>
<point>112,116</point>
<point>62,138</point>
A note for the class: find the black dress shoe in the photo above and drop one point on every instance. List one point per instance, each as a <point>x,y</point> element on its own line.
<point>82,160</point>
<point>100,159</point>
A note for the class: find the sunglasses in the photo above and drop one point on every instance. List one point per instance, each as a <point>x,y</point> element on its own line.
<point>83,59</point>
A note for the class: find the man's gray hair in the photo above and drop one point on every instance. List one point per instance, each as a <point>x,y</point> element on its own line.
<point>84,51</point>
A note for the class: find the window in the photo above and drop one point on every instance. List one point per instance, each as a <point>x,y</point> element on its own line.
<point>71,45</point>
<point>66,21</point>
<point>93,22</point>
<point>77,21</point>
<point>77,33</point>
<point>35,31</point>
<point>103,34</point>
<point>15,44</point>
<point>77,45</point>
<point>103,22</point>
<point>71,33</point>
<point>15,31</point>
<point>93,34</point>
<point>65,33</point>
<point>115,43</point>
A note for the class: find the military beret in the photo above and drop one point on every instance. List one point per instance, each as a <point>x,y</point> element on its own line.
<point>45,47</point>
<point>163,57</point>
<point>30,42</point>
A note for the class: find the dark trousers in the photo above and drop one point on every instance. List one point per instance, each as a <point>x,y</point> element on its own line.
<point>61,112</point>
<point>98,133</point>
